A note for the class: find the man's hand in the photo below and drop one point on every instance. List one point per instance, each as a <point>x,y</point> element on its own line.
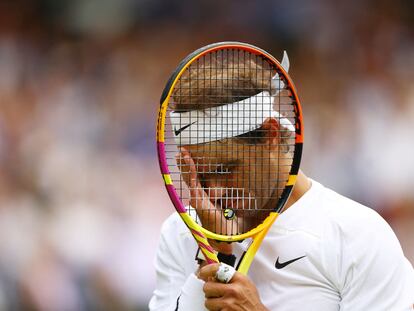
<point>211,217</point>
<point>240,294</point>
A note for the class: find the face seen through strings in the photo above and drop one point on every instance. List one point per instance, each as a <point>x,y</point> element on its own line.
<point>240,175</point>
<point>245,173</point>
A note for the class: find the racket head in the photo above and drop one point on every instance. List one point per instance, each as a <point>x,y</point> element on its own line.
<point>175,126</point>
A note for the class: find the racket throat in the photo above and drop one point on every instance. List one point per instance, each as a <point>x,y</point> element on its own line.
<point>247,257</point>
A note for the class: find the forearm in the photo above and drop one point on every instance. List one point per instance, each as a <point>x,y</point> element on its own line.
<point>192,296</point>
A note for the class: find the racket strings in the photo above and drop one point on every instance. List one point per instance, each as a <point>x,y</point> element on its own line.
<point>230,199</point>
<point>218,219</point>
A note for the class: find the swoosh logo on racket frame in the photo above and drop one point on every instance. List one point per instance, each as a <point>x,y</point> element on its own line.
<point>281,265</point>
<point>177,132</point>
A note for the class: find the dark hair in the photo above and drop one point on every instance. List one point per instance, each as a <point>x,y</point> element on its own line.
<point>221,79</point>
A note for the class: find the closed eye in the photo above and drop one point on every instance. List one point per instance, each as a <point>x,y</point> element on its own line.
<point>218,169</point>
<point>221,170</point>
<point>226,168</point>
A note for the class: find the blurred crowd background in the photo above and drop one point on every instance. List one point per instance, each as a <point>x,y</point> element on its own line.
<point>81,199</point>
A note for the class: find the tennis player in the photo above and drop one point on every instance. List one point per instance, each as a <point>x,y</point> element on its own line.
<point>325,252</point>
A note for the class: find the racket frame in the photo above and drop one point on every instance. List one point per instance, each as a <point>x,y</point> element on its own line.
<point>199,233</point>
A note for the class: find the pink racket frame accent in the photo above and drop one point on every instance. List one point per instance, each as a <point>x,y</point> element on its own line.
<point>179,206</point>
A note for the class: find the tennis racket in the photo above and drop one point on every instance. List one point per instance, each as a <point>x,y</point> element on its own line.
<point>229,140</point>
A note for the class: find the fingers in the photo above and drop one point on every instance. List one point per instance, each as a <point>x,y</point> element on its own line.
<point>214,289</point>
<point>192,177</point>
<point>239,294</point>
<point>198,198</point>
<point>208,272</point>
<point>187,168</point>
<point>220,304</point>
<point>211,217</point>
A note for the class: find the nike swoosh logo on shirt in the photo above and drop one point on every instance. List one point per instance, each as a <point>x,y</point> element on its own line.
<point>281,265</point>
<point>177,132</point>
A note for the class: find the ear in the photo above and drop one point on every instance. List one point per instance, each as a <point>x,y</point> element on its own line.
<point>271,129</point>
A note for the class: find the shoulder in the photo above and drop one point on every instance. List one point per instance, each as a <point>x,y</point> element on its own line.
<point>353,222</point>
<point>370,264</point>
<point>173,223</point>
<point>347,223</point>
<point>324,210</point>
<point>174,231</point>
<point>342,232</point>
<point>177,244</point>
<point>364,252</point>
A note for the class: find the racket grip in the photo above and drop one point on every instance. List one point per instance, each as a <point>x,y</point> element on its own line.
<point>228,259</point>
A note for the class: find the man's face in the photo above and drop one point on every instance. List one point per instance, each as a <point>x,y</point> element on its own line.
<point>241,176</point>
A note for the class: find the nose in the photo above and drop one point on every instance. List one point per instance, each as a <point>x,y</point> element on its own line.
<point>224,197</point>
<point>214,191</point>
<point>211,181</point>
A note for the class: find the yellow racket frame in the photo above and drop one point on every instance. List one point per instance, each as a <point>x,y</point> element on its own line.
<point>200,234</point>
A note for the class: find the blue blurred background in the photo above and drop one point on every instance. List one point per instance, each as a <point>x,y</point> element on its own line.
<point>81,200</point>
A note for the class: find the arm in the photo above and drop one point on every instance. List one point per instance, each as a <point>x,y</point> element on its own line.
<point>177,288</point>
<point>241,293</point>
